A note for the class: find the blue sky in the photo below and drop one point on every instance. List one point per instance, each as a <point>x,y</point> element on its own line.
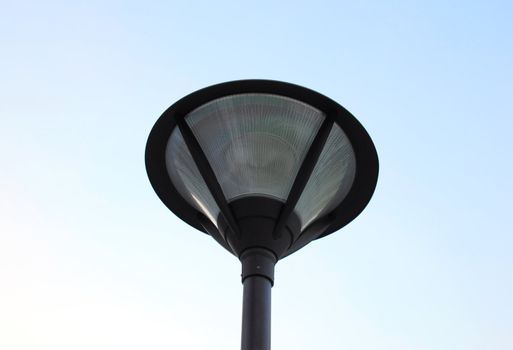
<point>90,258</point>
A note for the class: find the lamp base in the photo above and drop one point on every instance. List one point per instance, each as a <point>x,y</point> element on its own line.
<point>256,218</point>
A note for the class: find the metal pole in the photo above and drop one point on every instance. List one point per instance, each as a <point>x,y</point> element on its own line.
<point>256,314</point>
<point>257,279</point>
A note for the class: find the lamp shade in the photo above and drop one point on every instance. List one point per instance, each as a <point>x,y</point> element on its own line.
<point>260,163</point>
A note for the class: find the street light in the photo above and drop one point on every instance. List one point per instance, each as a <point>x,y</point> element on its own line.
<point>264,167</point>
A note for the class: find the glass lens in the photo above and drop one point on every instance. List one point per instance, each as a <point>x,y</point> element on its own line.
<point>255,143</point>
<point>186,177</point>
<point>330,180</point>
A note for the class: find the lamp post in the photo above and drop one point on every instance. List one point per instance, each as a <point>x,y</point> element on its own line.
<point>264,167</point>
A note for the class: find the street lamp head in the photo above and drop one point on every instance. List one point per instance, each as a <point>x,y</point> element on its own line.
<point>261,164</point>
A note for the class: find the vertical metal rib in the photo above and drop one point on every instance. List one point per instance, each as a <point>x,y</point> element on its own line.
<point>303,175</point>
<point>208,174</point>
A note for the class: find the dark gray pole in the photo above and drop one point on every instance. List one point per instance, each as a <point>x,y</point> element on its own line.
<point>257,279</point>
<point>256,314</point>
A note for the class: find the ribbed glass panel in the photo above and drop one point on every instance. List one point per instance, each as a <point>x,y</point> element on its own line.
<point>331,178</point>
<point>186,177</point>
<point>254,142</point>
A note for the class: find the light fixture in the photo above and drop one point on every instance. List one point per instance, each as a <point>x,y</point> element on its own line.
<point>264,167</point>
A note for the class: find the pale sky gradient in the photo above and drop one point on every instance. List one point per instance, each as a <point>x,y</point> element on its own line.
<point>91,259</point>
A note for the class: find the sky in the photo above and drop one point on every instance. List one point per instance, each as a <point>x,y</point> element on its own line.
<point>91,259</point>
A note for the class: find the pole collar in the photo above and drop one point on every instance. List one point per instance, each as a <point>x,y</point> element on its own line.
<point>258,262</point>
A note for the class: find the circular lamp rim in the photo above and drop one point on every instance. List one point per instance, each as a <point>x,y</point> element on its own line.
<point>365,153</point>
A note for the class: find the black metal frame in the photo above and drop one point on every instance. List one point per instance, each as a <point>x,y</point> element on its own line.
<point>365,153</point>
